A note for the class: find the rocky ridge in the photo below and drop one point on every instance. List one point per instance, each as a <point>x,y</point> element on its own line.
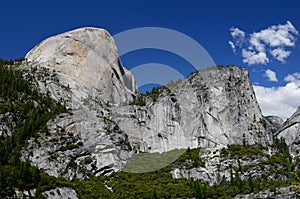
<point>208,109</point>
<point>213,114</point>
<point>290,131</point>
<point>225,164</point>
<point>81,68</point>
<point>79,64</point>
<point>274,121</point>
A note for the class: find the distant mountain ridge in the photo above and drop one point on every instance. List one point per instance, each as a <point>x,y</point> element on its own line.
<point>290,131</point>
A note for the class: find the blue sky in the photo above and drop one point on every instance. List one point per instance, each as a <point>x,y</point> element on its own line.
<point>210,23</point>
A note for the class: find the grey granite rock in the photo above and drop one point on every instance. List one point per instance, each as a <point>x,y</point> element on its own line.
<point>82,70</point>
<point>290,131</point>
<point>275,121</point>
<point>86,63</point>
<point>210,109</point>
<point>59,193</point>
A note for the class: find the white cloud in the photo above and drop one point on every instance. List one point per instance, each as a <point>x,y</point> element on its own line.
<point>252,57</point>
<point>271,41</point>
<point>281,101</point>
<point>295,78</point>
<point>237,33</point>
<point>232,46</point>
<point>280,54</point>
<point>256,43</point>
<point>238,38</point>
<point>271,75</point>
<point>275,36</point>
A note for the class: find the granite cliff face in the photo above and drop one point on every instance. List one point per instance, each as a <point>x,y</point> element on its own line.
<point>274,121</point>
<point>211,108</point>
<point>81,68</point>
<point>290,131</point>
<point>82,63</point>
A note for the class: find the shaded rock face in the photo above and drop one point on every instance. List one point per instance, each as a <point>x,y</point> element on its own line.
<point>86,62</point>
<point>80,144</point>
<point>274,121</point>
<point>60,193</point>
<point>290,131</point>
<point>7,124</point>
<point>209,109</point>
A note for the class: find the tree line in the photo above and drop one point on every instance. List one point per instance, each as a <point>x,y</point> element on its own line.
<point>30,113</point>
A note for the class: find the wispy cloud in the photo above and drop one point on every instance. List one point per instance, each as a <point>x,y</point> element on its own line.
<point>280,54</point>
<point>239,38</point>
<point>232,46</point>
<point>271,75</point>
<point>237,33</point>
<point>295,78</point>
<point>281,101</point>
<point>259,47</point>
<point>252,57</point>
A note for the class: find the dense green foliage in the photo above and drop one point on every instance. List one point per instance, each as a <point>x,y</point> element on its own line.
<point>240,151</point>
<point>29,113</point>
<point>160,184</point>
<point>139,100</point>
<point>189,159</point>
<point>153,95</point>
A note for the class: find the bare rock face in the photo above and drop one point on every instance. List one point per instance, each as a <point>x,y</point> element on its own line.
<point>60,193</point>
<point>86,62</point>
<point>81,68</point>
<point>80,144</point>
<point>209,109</point>
<point>7,124</point>
<point>290,131</point>
<point>275,121</point>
